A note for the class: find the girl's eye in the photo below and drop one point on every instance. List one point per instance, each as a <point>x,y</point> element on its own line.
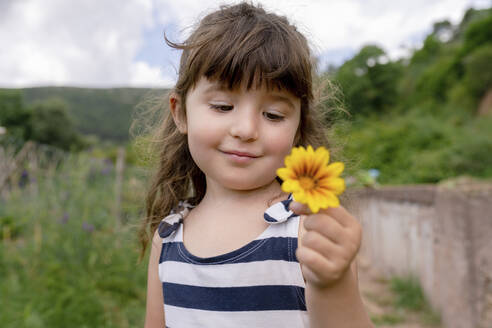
<point>221,108</point>
<point>272,116</point>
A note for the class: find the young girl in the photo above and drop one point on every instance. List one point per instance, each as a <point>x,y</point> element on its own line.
<point>229,248</point>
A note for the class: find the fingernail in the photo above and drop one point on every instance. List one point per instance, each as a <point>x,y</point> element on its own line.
<point>295,206</point>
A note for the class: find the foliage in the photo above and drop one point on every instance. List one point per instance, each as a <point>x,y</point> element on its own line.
<point>419,147</point>
<point>45,122</point>
<point>437,79</point>
<point>478,33</point>
<point>9,227</point>
<point>419,124</point>
<point>409,295</point>
<point>14,115</point>
<point>70,264</point>
<point>105,113</point>
<point>368,81</point>
<point>430,51</point>
<point>478,70</point>
<point>387,319</point>
<point>50,124</point>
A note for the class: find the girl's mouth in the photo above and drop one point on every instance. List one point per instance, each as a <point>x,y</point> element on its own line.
<point>240,154</point>
<point>240,157</point>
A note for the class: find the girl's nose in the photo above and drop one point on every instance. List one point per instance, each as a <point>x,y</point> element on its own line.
<point>245,126</point>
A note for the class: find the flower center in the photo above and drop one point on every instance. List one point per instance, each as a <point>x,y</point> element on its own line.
<point>307,183</point>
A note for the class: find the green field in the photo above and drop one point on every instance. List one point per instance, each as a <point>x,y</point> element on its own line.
<point>65,261</point>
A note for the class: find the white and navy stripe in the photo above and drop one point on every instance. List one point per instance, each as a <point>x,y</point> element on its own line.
<point>257,285</point>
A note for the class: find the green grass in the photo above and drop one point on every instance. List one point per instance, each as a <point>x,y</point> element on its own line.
<point>409,296</point>
<point>387,319</point>
<point>405,302</point>
<point>64,261</point>
<point>408,292</point>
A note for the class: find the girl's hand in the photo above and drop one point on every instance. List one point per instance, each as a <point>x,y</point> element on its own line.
<point>329,245</point>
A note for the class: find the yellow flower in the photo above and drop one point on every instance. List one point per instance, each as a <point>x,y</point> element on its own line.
<point>310,179</point>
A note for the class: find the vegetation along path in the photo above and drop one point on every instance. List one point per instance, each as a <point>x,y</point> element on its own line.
<point>394,302</point>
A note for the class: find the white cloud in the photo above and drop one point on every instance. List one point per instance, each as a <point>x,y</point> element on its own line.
<point>341,24</point>
<point>85,43</point>
<point>96,42</point>
<point>147,76</point>
<point>354,23</point>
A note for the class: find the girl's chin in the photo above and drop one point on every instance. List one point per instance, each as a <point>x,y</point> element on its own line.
<point>248,185</point>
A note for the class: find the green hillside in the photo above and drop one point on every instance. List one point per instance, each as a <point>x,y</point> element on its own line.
<point>105,113</point>
<point>425,118</point>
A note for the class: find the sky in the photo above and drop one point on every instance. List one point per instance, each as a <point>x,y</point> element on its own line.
<point>119,43</point>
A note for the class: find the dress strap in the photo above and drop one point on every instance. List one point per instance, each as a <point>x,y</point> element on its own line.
<point>279,212</point>
<point>171,223</point>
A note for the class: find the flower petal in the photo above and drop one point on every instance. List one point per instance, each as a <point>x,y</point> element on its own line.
<point>313,205</point>
<point>323,156</point>
<point>321,199</point>
<point>299,196</point>
<point>290,185</point>
<point>336,185</point>
<point>336,168</point>
<point>286,173</point>
<point>332,200</point>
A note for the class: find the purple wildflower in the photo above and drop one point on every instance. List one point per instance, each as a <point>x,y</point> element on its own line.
<point>24,178</point>
<point>65,218</point>
<point>106,170</point>
<point>87,227</point>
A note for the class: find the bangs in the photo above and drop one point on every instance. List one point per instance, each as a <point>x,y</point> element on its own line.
<point>249,50</point>
<point>260,61</point>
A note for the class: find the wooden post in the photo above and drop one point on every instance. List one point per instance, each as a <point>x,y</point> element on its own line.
<point>120,166</point>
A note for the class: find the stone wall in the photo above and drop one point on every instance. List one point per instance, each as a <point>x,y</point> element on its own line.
<point>440,234</point>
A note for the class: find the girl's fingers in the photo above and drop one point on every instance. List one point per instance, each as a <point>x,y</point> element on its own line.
<point>326,227</point>
<point>321,270</point>
<point>324,246</point>
<point>336,223</point>
<point>300,209</point>
<point>340,214</point>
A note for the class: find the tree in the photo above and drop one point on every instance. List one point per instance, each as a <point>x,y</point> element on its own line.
<point>51,124</point>
<point>13,115</point>
<point>443,30</point>
<point>478,71</point>
<point>369,81</point>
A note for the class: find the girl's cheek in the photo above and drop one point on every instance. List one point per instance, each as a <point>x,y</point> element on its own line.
<point>282,144</point>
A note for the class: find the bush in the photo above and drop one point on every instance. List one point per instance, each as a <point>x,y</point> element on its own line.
<point>14,116</point>
<point>50,124</point>
<point>421,146</point>
<point>478,71</point>
<point>72,265</point>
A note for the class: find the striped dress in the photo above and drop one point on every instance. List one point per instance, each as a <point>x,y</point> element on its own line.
<point>257,285</point>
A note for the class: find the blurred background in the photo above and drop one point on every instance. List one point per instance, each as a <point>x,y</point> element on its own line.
<point>409,111</point>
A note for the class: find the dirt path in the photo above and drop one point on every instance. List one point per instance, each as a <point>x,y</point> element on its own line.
<point>380,302</point>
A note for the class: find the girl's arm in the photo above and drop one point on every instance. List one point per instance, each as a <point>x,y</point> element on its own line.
<point>154,316</point>
<point>328,243</point>
<point>339,305</point>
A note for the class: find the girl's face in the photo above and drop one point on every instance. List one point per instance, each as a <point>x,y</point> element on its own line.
<point>239,138</point>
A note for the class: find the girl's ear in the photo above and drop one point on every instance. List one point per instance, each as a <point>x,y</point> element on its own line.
<point>175,105</point>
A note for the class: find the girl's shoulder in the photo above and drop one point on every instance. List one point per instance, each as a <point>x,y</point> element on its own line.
<point>275,214</point>
<point>172,221</point>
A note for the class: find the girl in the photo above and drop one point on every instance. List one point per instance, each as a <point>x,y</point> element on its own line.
<point>229,249</point>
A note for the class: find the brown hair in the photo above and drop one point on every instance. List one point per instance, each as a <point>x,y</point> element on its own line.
<point>235,45</point>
